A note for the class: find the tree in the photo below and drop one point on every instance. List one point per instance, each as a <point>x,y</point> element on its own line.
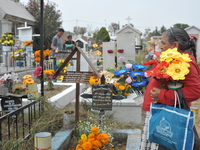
<point>181,25</point>
<point>77,30</point>
<point>83,30</point>
<point>52,19</point>
<point>102,36</point>
<point>17,1</point>
<point>163,29</point>
<point>89,29</point>
<point>113,27</point>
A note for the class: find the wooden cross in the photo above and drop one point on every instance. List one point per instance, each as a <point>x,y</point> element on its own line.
<point>128,19</point>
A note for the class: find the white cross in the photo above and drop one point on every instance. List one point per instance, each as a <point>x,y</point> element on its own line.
<point>128,19</point>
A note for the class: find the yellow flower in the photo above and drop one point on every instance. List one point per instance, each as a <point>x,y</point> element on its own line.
<point>169,55</point>
<point>27,76</point>
<point>61,78</point>
<point>95,45</point>
<point>87,146</point>
<point>28,81</point>
<point>5,42</point>
<point>178,71</point>
<point>149,42</point>
<point>122,87</point>
<point>3,35</point>
<point>184,57</point>
<point>10,35</point>
<point>84,137</point>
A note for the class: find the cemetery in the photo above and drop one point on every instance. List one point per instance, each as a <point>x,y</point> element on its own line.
<point>87,96</point>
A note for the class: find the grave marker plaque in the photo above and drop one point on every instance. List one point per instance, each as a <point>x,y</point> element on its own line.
<point>102,96</point>
<point>77,77</point>
<point>9,104</point>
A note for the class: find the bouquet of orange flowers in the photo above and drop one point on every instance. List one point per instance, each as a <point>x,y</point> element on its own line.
<point>28,43</point>
<point>46,53</point>
<point>93,141</point>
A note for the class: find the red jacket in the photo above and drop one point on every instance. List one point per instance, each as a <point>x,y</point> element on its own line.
<point>191,88</point>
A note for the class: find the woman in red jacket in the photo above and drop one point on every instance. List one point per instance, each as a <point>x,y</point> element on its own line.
<point>172,38</point>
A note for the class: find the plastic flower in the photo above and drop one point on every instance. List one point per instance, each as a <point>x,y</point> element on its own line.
<point>128,66</point>
<point>178,71</point>
<point>94,80</point>
<point>27,76</point>
<point>145,79</point>
<point>152,62</point>
<point>120,50</point>
<point>128,80</point>
<point>28,81</point>
<point>138,66</point>
<point>38,71</point>
<point>95,45</point>
<point>116,84</point>
<point>136,74</point>
<point>121,72</point>
<point>184,57</point>
<point>110,51</point>
<point>122,87</point>
<point>169,55</point>
<point>139,83</point>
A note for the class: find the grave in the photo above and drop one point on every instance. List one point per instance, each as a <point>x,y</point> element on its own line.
<point>128,39</point>
<point>127,110</point>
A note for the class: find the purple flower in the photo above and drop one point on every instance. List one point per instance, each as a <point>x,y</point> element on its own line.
<point>128,66</point>
<point>128,80</point>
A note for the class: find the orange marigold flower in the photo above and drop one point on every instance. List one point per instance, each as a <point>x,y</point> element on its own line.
<point>91,135</point>
<point>116,84</point>
<point>103,137</point>
<point>122,87</point>
<point>97,143</point>
<point>87,146</point>
<point>78,147</point>
<point>95,129</point>
<point>126,94</point>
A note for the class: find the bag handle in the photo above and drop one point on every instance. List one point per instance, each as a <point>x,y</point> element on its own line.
<point>176,99</point>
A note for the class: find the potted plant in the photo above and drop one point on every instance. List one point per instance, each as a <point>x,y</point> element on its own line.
<point>6,41</point>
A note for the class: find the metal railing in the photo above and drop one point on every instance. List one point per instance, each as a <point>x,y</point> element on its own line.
<point>17,124</point>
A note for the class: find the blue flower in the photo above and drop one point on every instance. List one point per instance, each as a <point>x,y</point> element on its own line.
<point>145,79</point>
<point>121,72</point>
<point>136,74</point>
<point>138,66</point>
<point>139,83</point>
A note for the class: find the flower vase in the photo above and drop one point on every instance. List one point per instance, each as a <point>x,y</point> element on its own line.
<point>6,48</point>
<point>50,85</point>
<point>68,119</point>
<point>29,48</point>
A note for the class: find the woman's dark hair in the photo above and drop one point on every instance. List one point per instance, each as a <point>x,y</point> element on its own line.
<point>69,36</point>
<point>179,35</point>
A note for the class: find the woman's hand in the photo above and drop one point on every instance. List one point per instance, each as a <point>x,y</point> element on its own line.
<point>154,93</point>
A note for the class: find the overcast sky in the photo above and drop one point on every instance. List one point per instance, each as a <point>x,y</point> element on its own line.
<point>144,13</point>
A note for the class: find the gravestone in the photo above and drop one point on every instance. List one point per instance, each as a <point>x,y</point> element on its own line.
<point>127,38</point>
<point>108,58</point>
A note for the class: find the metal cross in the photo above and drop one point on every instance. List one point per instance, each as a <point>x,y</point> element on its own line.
<point>128,19</point>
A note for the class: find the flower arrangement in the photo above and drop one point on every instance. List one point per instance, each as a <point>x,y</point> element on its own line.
<point>94,141</point>
<point>171,66</point>
<point>120,50</point>
<point>28,43</point>
<point>59,63</point>
<point>7,80</point>
<point>130,78</point>
<point>48,76</point>
<point>46,53</point>
<point>94,80</point>
<point>28,80</point>
<point>7,39</point>
<point>18,54</point>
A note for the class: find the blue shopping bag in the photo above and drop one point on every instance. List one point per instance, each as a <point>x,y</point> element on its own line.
<point>171,127</point>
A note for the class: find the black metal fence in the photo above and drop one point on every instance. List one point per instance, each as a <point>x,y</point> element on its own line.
<point>17,124</point>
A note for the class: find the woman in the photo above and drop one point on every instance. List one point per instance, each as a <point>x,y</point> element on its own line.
<point>172,38</point>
